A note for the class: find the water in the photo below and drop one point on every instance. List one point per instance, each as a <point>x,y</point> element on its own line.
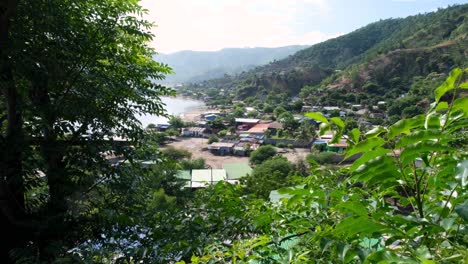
<point>174,106</point>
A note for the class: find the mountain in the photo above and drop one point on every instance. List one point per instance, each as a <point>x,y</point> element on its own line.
<point>191,66</point>
<point>383,60</point>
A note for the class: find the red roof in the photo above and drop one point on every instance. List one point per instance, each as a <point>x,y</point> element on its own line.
<point>259,128</point>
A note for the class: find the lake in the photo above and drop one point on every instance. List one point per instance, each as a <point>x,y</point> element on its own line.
<point>174,106</point>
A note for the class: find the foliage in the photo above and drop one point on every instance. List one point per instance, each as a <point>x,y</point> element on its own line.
<point>213,139</point>
<point>74,76</point>
<point>402,201</point>
<point>267,176</point>
<point>262,154</point>
<point>193,164</point>
<point>176,122</point>
<point>321,157</point>
<point>176,154</point>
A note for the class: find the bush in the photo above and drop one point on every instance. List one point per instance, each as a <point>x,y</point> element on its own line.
<point>222,133</point>
<point>213,139</point>
<point>322,157</point>
<point>281,145</point>
<point>177,154</point>
<point>290,146</point>
<point>262,153</point>
<point>194,164</point>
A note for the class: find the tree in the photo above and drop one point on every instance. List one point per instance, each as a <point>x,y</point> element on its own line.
<point>262,153</point>
<point>213,139</point>
<point>267,176</point>
<point>278,111</point>
<point>176,122</point>
<point>81,83</point>
<point>176,154</point>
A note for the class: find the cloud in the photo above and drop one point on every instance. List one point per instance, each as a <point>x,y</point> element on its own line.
<point>215,24</point>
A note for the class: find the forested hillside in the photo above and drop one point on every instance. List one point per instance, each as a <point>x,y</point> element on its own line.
<point>190,66</point>
<point>385,58</point>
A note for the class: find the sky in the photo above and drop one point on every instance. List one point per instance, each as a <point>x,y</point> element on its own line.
<point>209,25</point>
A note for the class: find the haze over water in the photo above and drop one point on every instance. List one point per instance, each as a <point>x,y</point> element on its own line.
<point>174,106</point>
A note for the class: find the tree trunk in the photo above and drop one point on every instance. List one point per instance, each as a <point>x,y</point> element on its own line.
<point>12,207</point>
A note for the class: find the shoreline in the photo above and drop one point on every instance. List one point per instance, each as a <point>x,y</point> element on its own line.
<point>194,114</point>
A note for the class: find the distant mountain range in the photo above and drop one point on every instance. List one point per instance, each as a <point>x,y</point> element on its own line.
<point>193,66</point>
<point>385,58</point>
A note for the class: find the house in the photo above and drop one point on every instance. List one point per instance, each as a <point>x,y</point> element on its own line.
<point>249,109</point>
<point>307,108</point>
<point>377,115</point>
<point>193,132</point>
<point>274,126</point>
<point>331,108</point>
<point>162,127</point>
<point>235,171</point>
<point>258,129</point>
<point>246,123</point>
<point>221,148</point>
<point>202,178</point>
<point>210,117</point>
<point>339,147</point>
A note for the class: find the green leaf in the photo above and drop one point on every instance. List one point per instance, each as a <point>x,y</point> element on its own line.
<point>354,135</point>
<point>462,173</point>
<point>417,137</point>
<point>352,207</point>
<point>338,122</point>
<point>376,171</point>
<point>387,257</point>
<point>324,127</point>
<point>449,84</point>
<point>368,155</point>
<point>462,210</point>
<point>464,85</point>
<point>432,121</point>
<point>441,106</point>
<point>461,104</point>
<point>404,126</point>
<point>365,145</point>
<point>317,116</point>
<point>376,131</point>
<point>416,150</point>
<point>361,225</point>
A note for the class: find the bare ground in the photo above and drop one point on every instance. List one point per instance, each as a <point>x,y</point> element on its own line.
<point>195,146</point>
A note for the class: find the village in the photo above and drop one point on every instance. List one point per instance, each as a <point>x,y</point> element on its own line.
<point>224,137</point>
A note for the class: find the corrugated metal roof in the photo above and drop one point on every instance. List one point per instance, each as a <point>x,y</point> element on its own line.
<point>208,175</point>
<point>184,175</point>
<point>218,175</point>
<point>201,175</point>
<point>247,120</point>
<point>259,128</point>
<point>235,171</point>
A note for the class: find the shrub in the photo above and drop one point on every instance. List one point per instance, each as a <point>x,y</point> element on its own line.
<point>262,153</point>
<point>213,139</point>
<point>322,157</point>
<point>281,145</point>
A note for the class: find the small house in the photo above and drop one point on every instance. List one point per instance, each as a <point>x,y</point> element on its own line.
<point>246,123</point>
<point>221,148</point>
<point>210,117</point>
<point>193,132</point>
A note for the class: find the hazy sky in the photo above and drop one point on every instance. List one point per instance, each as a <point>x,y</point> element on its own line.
<point>207,25</point>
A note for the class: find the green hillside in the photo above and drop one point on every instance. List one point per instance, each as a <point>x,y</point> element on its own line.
<point>383,60</point>
<point>191,66</point>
